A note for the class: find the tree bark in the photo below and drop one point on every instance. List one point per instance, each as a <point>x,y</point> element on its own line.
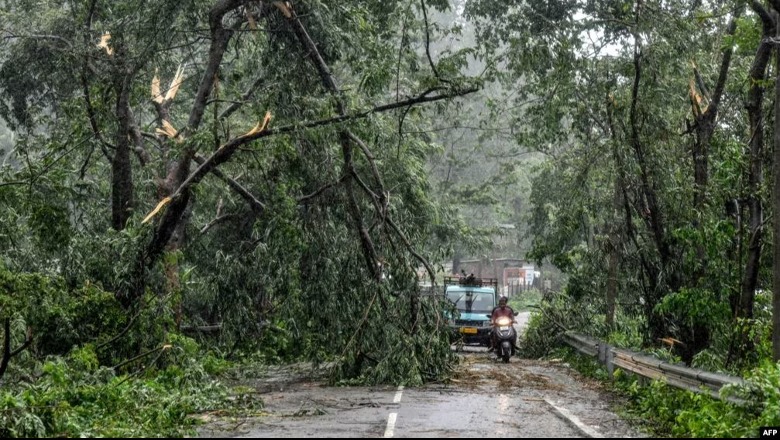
<point>776,216</point>
<point>753,105</point>
<point>612,267</point>
<point>121,166</point>
<point>704,122</point>
<point>755,177</point>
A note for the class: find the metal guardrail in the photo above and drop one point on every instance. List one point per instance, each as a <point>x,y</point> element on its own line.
<point>691,379</point>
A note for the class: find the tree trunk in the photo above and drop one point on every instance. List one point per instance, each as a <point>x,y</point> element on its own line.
<point>705,120</point>
<point>121,166</point>
<point>742,343</point>
<point>733,210</point>
<point>180,170</point>
<point>612,269</point>
<point>650,211</point>
<point>776,217</point>
<point>755,208</point>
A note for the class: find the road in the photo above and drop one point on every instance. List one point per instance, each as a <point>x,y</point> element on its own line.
<point>486,398</point>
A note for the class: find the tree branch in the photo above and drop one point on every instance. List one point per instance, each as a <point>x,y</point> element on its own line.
<point>236,105</point>
<point>766,19</point>
<point>135,133</point>
<point>217,221</point>
<point>220,36</point>
<point>225,152</point>
<point>420,99</point>
<point>256,204</point>
<point>411,250</point>
<point>7,352</point>
<point>180,196</point>
<point>306,198</point>
<point>428,43</point>
<point>720,85</point>
<point>6,346</point>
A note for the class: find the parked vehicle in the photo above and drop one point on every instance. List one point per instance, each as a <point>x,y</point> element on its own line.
<point>473,298</point>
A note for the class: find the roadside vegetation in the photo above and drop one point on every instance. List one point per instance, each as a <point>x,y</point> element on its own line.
<point>665,411</point>
<point>657,408</point>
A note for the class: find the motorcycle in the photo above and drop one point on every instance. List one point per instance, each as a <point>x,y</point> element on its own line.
<point>505,338</point>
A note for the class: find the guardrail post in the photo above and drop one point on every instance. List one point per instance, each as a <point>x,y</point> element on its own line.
<point>610,356</point>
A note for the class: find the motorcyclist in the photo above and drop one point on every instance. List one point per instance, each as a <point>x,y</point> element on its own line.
<point>501,310</point>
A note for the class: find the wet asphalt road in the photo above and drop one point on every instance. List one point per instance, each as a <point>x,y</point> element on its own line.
<point>487,398</point>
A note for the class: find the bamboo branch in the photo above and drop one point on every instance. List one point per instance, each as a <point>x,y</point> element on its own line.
<point>370,158</point>
<point>360,324</point>
<point>346,136</point>
<point>121,333</point>
<point>87,99</point>
<point>369,250</point>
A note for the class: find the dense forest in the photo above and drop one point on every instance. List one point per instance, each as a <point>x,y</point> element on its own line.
<point>188,186</point>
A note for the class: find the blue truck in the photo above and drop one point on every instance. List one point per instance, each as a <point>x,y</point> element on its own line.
<point>473,299</point>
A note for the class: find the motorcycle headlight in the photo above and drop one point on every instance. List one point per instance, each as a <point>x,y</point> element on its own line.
<point>503,321</point>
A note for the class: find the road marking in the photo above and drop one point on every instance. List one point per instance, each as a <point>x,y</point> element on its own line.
<point>390,425</point>
<point>393,416</point>
<point>397,398</point>
<point>573,420</point>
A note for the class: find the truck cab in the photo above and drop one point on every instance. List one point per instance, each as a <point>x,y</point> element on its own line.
<point>474,300</point>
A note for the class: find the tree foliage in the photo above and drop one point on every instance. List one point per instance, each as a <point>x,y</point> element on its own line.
<point>651,116</point>
<point>231,164</point>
